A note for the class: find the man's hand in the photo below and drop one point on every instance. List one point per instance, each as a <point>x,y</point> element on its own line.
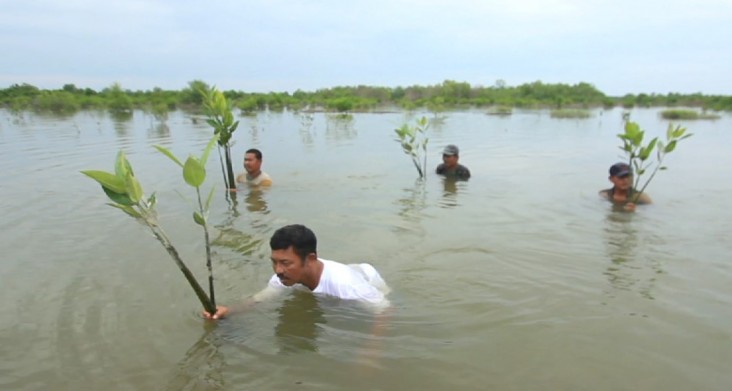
<point>629,207</point>
<point>221,312</point>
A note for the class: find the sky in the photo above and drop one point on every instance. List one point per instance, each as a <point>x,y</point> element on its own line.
<point>619,46</point>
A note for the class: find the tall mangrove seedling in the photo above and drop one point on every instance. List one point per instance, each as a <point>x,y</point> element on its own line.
<point>639,155</point>
<point>218,110</point>
<point>127,195</point>
<point>414,143</point>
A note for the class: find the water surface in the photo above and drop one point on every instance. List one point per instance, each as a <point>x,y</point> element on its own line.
<point>521,278</point>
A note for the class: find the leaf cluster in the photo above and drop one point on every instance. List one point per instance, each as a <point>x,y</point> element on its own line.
<point>640,156</point>
<point>194,174</point>
<point>414,142</point>
<point>123,188</point>
<point>219,112</point>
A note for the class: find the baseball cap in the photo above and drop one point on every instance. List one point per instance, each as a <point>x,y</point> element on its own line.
<point>620,169</point>
<point>451,150</point>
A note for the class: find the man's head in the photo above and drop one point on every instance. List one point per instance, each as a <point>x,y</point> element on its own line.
<point>621,175</point>
<point>450,155</point>
<point>293,246</point>
<point>253,161</point>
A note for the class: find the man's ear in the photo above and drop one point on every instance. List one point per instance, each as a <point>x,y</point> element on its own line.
<point>311,257</point>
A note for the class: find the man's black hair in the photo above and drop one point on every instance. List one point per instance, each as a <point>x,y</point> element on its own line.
<point>256,153</point>
<point>300,237</point>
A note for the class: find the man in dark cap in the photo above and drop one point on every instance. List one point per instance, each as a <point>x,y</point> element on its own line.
<point>622,192</point>
<point>450,167</point>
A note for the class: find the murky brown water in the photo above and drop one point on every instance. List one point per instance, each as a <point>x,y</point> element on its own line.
<point>519,279</point>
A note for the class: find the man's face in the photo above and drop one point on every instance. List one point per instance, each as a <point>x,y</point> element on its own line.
<point>450,160</point>
<point>288,266</point>
<point>622,182</point>
<point>251,163</point>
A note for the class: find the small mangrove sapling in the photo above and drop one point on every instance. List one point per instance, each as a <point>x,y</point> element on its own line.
<point>219,112</point>
<point>639,155</point>
<point>125,191</point>
<point>414,142</point>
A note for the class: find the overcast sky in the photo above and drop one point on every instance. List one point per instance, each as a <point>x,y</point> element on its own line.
<point>620,46</point>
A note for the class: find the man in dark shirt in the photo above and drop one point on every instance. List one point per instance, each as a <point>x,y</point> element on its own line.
<point>450,167</point>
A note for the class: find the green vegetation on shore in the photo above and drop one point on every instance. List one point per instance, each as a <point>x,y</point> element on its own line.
<point>436,98</point>
<point>686,114</point>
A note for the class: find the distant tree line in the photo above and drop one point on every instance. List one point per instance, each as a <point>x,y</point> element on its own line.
<point>447,95</point>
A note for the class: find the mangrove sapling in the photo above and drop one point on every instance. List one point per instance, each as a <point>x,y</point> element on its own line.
<point>639,155</point>
<point>126,193</point>
<point>219,112</point>
<point>194,174</point>
<point>414,141</point>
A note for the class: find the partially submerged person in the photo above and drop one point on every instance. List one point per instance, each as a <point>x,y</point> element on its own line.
<point>622,192</point>
<point>296,266</point>
<point>450,167</point>
<point>253,175</point>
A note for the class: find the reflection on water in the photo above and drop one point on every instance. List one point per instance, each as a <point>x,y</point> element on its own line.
<point>307,134</point>
<point>160,130</point>
<point>413,201</point>
<point>121,120</point>
<point>202,365</point>
<point>629,269</point>
<point>255,201</point>
<point>449,194</point>
<point>340,127</point>
<point>298,323</point>
<point>237,240</point>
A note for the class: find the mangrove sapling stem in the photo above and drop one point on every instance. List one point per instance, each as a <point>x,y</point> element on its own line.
<point>419,169</point>
<point>230,170</point>
<point>208,305</point>
<point>223,170</point>
<point>208,254</point>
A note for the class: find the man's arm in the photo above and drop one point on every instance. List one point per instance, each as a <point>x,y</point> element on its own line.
<point>222,311</point>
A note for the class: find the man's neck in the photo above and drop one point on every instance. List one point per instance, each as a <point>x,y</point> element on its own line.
<point>254,175</point>
<point>315,271</point>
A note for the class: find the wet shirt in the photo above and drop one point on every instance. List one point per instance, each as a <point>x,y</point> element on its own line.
<point>459,172</point>
<point>351,282</point>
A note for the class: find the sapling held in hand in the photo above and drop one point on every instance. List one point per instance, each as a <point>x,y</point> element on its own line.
<point>640,156</point>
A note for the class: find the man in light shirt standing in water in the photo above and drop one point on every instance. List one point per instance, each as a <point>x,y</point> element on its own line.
<point>253,175</point>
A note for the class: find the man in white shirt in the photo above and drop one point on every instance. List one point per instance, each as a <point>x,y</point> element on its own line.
<point>296,265</point>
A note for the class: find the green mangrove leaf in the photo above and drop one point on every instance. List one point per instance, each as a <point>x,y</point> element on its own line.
<point>670,147</point>
<point>207,150</point>
<point>210,197</point>
<point>228,119</point>
<point>193,172</point>
<point>234,126</point>
<point>119,198</point>
<point>122,166</point>
<point>645,152</point>
<point>664,168</point>
<point>134,190</point>
<point>107,180</point>
<point>169,154</point>
<point>152,201</point>
<point>679,131</point>
<point>631,128</point>
<point>127,209</point>
<point>213,123</point>
<point>199,219</point>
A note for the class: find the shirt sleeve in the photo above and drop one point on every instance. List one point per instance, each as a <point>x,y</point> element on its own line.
<point>274,288</point>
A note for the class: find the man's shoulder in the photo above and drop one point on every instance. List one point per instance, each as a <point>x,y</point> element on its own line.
<point>440,168</point>
<point>462,172</point>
